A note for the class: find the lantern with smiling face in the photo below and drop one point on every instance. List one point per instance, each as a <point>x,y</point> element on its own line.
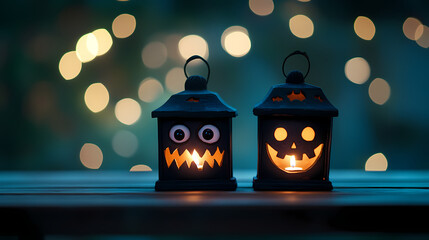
<point>294,136</point>
<point>194,139</point>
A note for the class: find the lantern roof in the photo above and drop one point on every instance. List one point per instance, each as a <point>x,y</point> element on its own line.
<point>295,98</point>
<point>195,102</point>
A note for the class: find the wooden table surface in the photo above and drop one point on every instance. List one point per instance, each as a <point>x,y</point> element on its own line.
<point>115,202</point>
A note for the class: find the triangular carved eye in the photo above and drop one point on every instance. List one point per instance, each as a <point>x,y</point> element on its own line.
<point>277,99</point>
<point>192,99</point>
<point>296,96</point>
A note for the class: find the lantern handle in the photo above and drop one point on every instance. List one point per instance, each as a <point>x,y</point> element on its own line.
<point>296,53</point>
<point>202,59</point>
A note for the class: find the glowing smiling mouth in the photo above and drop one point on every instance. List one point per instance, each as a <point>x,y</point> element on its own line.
<point>284,163</point>
<point>195,158</point>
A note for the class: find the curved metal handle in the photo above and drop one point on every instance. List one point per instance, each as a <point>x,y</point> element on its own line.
<point>197,57</point>
<point>296,53</point>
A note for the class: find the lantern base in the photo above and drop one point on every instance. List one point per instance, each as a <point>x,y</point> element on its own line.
<point>196,185</point>
<point>284,185</point>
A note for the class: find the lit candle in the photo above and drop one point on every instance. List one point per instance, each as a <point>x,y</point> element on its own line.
<point>293,164</point>
<point>197,160</point>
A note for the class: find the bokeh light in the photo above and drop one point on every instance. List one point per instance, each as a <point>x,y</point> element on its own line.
<point>261,7</point>
<point>70,65</point>
<point>364,28</point>
<point>410,28</point>
<point>154,54</point>
<point>377,162</point>
<point>150,89</point>
<point>140,168</point>
<point>301,26</point>
<point>423,40</point>
<point>91,156</point>
<point>379,91</point>
<point>193,45</point>
<point>124,25</point>
<point>87,47</point>
<point>96,97</point>
<point>125,143</point>
<point>357,70</point>
<point>127,111</point>
<point>104,41</point>
<point>235,41</point>
<point>175,80</point>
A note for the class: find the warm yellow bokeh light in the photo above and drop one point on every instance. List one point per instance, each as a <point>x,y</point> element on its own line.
<point>154,54</point>
<point>96,97</point>
<point>308,134</point>
<point>364,28</point>
<point>410,27</point>
<point>379,91</point>
<point>124,25</point>
<point>423,40</point>
<point>125,143</point>
<point>301,26</point>
<point>87,47</point>
<point>91,156</point>
<point>357,70</point>
<point>150,89</point>
<point>70,65</point>
<point>140,168</point>
<point>236,43</point>
<point>280,134</point>
<point>104,41</point>
<point>175,80</point>
<point>193,45</point>
<point>127,111</point>
<point>377,162</point>
<point>261,7</point>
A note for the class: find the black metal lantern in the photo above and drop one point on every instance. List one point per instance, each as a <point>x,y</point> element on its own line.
<point>294,135</point>
<point>194,139</point>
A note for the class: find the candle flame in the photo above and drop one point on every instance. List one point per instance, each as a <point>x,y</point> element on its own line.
<point>292,161</point>
<point>196,158</point>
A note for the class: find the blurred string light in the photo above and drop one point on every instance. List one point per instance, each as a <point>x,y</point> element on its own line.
<point>125,143</point>
<point>175,80</point>
<point>379,91</point>
<point>235,41</point>
<point>124,25</point>
<point>304,0</point>
<point>70,65</point>
<point>150,89</point>
<point>140,168</point>
<point>91,156</point>
<point>96,97</point>
<point>423,40</point>
<point>261,7</point>
<point>127,111</point>
<point>410,27</point>
<point>154,54</point>
<point>193,45</point>
<point>377,162</point>
<point>357,70</point>
<point>104,40</point>
<point>301,26</point>
<point>87,47</point>
<point>364,28</point>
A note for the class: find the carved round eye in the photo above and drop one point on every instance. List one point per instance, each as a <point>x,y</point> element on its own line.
<point>209,134</point>
<point>308,134</point>
<point>179,133</point>
<point>280,134</point>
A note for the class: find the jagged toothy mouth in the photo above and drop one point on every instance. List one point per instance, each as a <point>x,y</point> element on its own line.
<point>195,158</point>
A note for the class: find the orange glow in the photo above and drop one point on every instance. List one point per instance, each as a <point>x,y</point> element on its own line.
<point>296,96</point>
<point>289,161</point>
<point>189,158</point>
<point>308,134</point>
<point>280,134</point>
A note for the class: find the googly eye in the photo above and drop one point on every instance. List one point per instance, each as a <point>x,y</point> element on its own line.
<point>179,133</point>
<point>209,134</point>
